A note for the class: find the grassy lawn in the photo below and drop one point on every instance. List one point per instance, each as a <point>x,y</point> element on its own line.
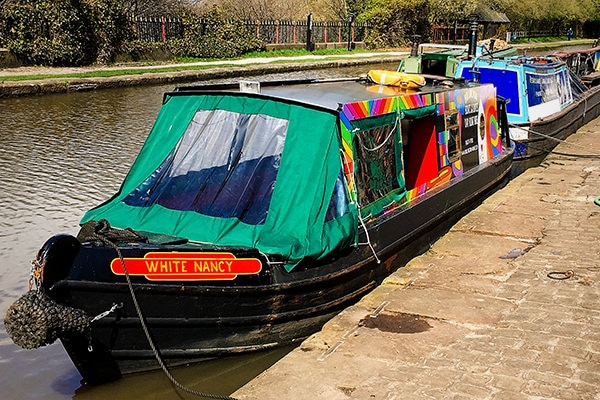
<point>186,64</point>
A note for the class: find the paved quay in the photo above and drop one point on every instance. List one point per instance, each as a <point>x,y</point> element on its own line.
<point>477,316</point>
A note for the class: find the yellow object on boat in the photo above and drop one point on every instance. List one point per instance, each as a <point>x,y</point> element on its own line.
<point>395,78</point>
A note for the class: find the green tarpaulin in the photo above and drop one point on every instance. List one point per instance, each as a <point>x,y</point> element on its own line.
<point>241,171</point>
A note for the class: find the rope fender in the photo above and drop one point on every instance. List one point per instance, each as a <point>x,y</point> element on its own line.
<point>35,320</point>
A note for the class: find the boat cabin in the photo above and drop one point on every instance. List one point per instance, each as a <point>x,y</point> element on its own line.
<point>434,59</point>
<point>442,60</point>
<point>534,87</point>
<point>292,169</point>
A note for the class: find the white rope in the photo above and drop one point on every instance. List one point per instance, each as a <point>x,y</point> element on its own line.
<point>552,138</point>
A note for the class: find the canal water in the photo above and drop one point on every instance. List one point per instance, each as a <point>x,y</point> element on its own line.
<point>61,155</point>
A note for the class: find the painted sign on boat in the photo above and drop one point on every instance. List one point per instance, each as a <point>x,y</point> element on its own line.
<point>164,266</point>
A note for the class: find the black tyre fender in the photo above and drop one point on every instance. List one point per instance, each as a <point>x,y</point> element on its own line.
<point>57,256</point>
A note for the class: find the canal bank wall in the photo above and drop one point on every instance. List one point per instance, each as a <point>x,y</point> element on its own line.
<point>63,80</point>
<point>504,306</point>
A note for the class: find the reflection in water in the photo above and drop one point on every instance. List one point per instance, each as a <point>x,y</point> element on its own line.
<point>61,155</point>
<point>222,377</point>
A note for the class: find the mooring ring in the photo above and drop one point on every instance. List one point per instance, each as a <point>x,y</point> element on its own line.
<point>560,275</point>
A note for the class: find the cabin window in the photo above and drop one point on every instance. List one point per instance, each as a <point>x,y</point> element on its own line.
<point>377,163</point>
<point>224,165</point>
<point>453,134</point>
<point>338,205</point>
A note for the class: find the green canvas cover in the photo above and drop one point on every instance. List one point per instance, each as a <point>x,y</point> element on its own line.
<point>239,171</point>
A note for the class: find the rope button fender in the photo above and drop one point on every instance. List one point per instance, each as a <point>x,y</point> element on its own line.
<point>561,275</point>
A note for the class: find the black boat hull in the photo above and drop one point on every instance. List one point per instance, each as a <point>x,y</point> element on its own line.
<point>192,321</point>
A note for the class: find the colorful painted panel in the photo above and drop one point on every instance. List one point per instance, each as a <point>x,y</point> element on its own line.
<point>477,138</point>
<point>490,141</point>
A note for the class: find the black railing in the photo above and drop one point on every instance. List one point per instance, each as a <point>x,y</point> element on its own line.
<point>270,31</point>
<point>156,29</point>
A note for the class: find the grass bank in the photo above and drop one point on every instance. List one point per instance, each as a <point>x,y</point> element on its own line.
<point>178,65</point>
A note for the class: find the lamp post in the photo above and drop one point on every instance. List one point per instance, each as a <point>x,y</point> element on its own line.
<point>309,25</point>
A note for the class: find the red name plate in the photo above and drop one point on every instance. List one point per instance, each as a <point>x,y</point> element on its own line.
<point>169,266</point>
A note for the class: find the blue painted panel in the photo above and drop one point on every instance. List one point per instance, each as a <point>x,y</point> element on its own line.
<point>506,82</point>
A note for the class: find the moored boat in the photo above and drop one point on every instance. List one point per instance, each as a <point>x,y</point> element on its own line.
<point>254,213</point>
<point>546,100</point>
<point>585,63</point>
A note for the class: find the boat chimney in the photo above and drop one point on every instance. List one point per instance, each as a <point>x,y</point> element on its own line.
<point>414,51</point>
<point>473,40</point>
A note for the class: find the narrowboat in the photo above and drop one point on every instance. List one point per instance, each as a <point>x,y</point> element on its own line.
<point>546,101</point>
<point>256,212</point>
<point>585,63</point>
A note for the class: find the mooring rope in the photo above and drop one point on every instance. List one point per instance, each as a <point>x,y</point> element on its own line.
<point>593,155</point>
<point>138,310</point>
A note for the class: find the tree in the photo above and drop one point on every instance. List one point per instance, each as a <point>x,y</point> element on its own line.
<point>448,12</point>
<point>263,9</point>
<point>153,8</point>
<point>394,22</point>
<point>210,35</point>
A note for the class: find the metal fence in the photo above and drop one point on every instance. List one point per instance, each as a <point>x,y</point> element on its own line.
<point>461,33</point>
<point>293,32</point>
<point>156,29</point>
<point>270,31</point>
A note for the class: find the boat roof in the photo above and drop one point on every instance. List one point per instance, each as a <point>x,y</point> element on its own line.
<point>539,63</point>
<point>323,93</point>
<point>566,53</point>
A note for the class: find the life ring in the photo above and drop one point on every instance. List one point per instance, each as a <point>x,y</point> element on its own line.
<point>395,78</point>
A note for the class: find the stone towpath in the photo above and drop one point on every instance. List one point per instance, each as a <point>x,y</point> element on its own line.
<point>480,315</point>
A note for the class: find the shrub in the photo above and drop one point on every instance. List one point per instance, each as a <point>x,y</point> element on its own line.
<point>110,27</point>
<point>47,32</point>
<point>212,36</point>
<point>64,32</point>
